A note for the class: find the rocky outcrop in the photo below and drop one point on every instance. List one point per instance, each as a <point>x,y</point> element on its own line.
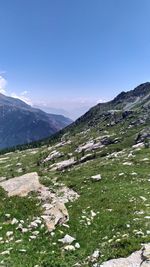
<point>22,185</point>
<point>63,164</point>
<point>143,135</point>
<point>53,155</point>
<point>54,209</point>
<point>139,258</point>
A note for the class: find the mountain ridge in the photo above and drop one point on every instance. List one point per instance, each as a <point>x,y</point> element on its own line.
<point>20,123</point>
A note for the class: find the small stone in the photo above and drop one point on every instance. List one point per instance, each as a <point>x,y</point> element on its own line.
<point>94,257</point>
<point>14,221</point>
<point>96,177</point>
<point>67,239</point>
<point>22,250</point>
<point>32,237</point>
<point>69,248</point>
<point>77,245</point>
<point>9,233</point>
<point>6,252</point>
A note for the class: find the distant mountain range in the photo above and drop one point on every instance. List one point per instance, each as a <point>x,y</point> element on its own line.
<point>21,123</point>
<point>73,113</point>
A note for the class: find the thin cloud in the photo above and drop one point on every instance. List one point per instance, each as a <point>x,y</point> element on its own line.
<point>3,83</point>
<point>23,96</point>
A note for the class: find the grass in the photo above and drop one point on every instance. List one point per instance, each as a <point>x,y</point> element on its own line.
<point>119,226</point>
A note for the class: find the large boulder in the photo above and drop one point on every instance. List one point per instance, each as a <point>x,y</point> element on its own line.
<point>55,215</point>
<point>22,185</point>
<point>139,258</point>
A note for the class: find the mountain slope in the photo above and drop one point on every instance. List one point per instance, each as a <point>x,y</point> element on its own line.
<point>134,101</point>
<point>20,123</point>
<point>103,159</point>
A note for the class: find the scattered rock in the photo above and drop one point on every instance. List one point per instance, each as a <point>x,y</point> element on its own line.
<point>69,248</point>
<point>96,177</point>
<point>9,233</point>
<point>63,164</point>
<point>139,145</point>
<point>67,239</point>
<point>77,245</point>
<point>53,155</point>
<point>55,211</point>
<point>14,221</point>
<point>95,256</point>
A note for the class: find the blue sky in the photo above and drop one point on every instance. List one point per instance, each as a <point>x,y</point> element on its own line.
<point>73,53</point>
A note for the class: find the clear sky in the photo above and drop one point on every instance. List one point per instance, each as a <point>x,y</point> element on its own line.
<point>73,53</point>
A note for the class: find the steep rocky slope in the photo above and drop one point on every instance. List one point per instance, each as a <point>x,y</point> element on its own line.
<point>91,202</point>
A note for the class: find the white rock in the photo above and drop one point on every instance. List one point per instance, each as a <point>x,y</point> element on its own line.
<point>24,230</point>
<point>93,214</point>
<point>67,239</point>
<point>32,237</point>
<point>33,224</point>
<point>14,221</point>
<point>53,155</point>
<point>9,233</point>
<point>6,252</point>
<point>94,257</point>
<point>77,245</point>
<point>127,163</point>
<point>96,177</point>
<point>63,164</point>
<point>22,185</point>
<point>22,250</point>
<point>139,145</point>
<point>69,248</point>
<point>35,233</point>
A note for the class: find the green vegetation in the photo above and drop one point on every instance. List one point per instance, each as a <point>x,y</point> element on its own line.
<point>120,201</point>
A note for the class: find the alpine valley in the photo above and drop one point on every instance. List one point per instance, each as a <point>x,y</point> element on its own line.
<point>82,196</point>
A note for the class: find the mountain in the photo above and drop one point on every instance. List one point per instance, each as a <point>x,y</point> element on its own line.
<point>52,110</point>
<point>135,102</point>
<point>20,123</point>
<point>81,197</point>
<point>71,112</point>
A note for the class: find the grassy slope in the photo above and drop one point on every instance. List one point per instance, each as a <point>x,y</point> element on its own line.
<point>115,199</point>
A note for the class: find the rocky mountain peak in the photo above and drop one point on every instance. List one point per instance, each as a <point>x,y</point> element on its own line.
<point>140,91</point>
